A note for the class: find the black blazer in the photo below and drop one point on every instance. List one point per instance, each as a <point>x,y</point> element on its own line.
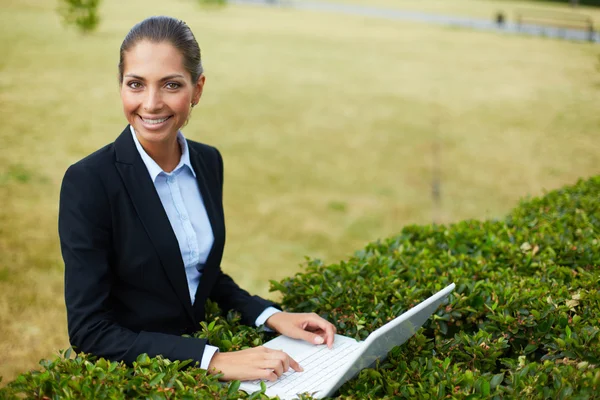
<point>125,285</point>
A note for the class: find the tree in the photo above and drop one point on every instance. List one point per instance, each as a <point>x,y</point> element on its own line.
<point>81,13</point>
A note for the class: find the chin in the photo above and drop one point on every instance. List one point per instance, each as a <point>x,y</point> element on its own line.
<point>155,136</point>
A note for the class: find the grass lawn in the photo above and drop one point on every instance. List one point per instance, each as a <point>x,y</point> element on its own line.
<point>326,124</point>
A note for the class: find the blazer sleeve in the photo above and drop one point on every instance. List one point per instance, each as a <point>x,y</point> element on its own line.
<point>227,293</point>
<point>85,227</point>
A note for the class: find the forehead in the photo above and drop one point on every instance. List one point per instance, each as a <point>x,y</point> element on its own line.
<point>153,60</point>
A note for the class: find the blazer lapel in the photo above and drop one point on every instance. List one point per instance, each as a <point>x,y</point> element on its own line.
<point>215,216</point>
<point>201,173</point>
<point>152,214</point>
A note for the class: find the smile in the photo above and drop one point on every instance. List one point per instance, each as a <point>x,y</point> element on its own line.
<point>154,121</point>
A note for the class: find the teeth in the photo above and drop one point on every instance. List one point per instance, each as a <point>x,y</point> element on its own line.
<point>154,121</point>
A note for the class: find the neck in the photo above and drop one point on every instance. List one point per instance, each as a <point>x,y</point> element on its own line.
<point>166,154</point>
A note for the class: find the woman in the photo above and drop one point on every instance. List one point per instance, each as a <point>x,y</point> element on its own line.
<point>142,229</point>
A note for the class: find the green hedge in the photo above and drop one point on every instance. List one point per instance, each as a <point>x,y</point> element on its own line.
<point>523,321</point>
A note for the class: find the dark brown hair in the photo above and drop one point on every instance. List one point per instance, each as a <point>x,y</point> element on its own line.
<point>165,29</point>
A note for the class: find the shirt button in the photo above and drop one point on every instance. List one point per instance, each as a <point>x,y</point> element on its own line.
<point>171,179</point>
<point>184,217</point>
<point>194,254</point>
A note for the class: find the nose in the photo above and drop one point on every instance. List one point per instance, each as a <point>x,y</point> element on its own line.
<point>153,100</point>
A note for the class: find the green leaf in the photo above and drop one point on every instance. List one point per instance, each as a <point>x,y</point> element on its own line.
<point>255,395</point>
<point>441,390</point>
<point>277,286</point>
<point>485,388</point>
<point>183,364</point>
<point>156,379</point>
<point>112,366</point>
<point>496,380</point>
<point>443,327</point>
<point>446,363</point>
<point>143,359</point>
<point>233,389</point>
<point>530,348</point>
<point>226,345</point>
<point>89,366</point>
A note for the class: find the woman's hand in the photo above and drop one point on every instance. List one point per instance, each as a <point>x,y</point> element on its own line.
<point>256,363</point>
<point>305,326</point>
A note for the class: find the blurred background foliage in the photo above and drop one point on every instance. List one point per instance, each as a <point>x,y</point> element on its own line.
<point>81,13</point>
<point>333,129</point>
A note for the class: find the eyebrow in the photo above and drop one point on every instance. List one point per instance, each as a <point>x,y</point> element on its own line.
<point>166,78</point>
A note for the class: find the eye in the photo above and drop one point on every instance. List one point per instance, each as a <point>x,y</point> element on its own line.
<point>173,85</point>
<point>134,85</point>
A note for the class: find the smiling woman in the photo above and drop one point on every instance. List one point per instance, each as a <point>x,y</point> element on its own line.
<point>157,98</point>
<point>142,229</point>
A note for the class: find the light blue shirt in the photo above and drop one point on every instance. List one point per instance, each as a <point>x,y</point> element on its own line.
<point>181,198</point>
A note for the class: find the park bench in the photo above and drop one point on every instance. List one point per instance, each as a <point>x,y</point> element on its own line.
<point>555,19</point>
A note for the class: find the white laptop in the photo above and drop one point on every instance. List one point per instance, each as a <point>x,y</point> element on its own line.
<point>325,370</point>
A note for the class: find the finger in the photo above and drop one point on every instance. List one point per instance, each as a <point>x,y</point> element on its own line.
<point>321,332</point>
<point>267,374</point>
<point>316,330</point>
<point>307,336</point>
<point>330,337</point>
<point>326,339</point>
<point>295,366</point>
<point>281,355</point>
<point>276,365</point>
<point>316,322</point>
<point>324,325</point>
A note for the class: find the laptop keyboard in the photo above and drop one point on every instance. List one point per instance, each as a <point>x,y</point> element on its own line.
<point>319,366</point>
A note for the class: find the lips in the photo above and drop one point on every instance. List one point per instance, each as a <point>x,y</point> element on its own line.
<point>154,124</point>
<point>154,121</point>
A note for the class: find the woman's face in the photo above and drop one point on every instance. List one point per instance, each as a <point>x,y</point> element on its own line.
<point>157,91</point>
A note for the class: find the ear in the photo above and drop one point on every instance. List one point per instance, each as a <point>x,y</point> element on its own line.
<point>198,88</point>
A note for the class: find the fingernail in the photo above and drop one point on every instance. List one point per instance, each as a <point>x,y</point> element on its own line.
<point>318,340</point>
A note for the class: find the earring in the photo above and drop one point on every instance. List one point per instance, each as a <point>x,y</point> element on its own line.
<point>193,104</point>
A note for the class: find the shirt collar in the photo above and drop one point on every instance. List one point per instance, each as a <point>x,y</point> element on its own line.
<point>153,168</point>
